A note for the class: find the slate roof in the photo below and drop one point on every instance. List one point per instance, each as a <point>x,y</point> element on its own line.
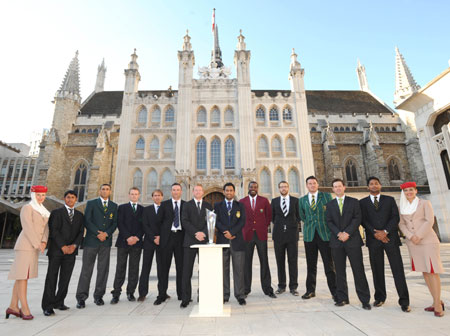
<point>104,103</point>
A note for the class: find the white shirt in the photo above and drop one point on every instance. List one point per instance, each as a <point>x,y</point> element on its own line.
<point>372,197</point>
<point>135,204</point>
<point>68,209</point>
<point>197,201</point>
<point>343,199</point>
<point>316,194</point>
<point>104,200</point>
<point>253,201</point>
<point>156,207</point>
<point>287,198</point>
<point>179,228</point>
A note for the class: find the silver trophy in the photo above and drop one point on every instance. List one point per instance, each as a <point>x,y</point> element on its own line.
<point>211,223</point>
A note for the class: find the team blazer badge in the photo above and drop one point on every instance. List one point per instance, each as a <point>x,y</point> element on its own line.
<point>261,210</point>
<point>238,214</point>
<point>111,216</point>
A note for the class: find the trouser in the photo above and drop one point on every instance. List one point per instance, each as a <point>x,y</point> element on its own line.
<point>376,255</point>
<point>291,248</point>
<point>147,260</point>
<point>188,266</point>
<point>125,254</point>
<point>312,250</point>
<point>102,254</point>
<point>261,247</point>
<point>174,247</point>
<point>238,260</point>
<point>62,266</point>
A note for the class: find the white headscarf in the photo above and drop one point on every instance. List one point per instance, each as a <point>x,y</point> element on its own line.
<point>38,207</point>
<point>407,208</point>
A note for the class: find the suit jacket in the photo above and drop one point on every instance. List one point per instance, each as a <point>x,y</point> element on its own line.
<point>349,222</point>
<point>420,223</point>
<point>385,218</point>
<point>164,220</point>
<point>291,221</point>
<point>258,219</point>
<point>129,224</point>
<point>34,229</point>
<point>63,232</point>
<point>148,221</point>
<point>193,222</point>
<point>96,219</point>
<point>315,220</point>
<point>233,222</point>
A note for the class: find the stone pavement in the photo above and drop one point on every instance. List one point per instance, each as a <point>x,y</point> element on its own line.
<point>286,315</point>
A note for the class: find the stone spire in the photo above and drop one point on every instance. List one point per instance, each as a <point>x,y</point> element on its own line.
<point>132,76</point>
<point>241,44</point>
<point>187,46</point>
<point>362,77</point>
<point>133,63</point>
<point>216,53</point>
<point>70,86</point>
<point>405,85</point>
<point>101,74</point>
<point>295,64</point>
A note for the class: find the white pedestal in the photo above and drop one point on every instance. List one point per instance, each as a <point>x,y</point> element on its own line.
<point>210,282</point>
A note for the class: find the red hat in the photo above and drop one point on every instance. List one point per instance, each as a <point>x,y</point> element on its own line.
<point>408,185</point>
<point>39,189</point>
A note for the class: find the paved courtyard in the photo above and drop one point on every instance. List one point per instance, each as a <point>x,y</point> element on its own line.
<point>286,315</point>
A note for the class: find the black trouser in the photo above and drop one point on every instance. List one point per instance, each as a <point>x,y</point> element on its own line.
<point>147,260</point>
<point>238,260</point>
<point>261,247</point>
<point>312,250</point>
<point>57,265</point>
<point>354,254</point>
<point>188,266</point>
<point>376,255</point>
<point>174,247</point>
<point>89,256</point>
<point>292,258</point>
<point>133,254</point>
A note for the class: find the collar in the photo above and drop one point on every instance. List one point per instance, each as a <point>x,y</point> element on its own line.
<point>343,199</point>
<point>69,208</point>
<point>156,205</point>
<point>104,200</point>
<point>131,203</point>
<point>178,201</point>
<point>372,197</point>
<point>287,197</point>
<point>316,194</point>
<point>252,198</point>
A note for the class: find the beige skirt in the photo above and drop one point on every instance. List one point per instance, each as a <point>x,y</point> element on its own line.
<point>425,258</point>
<point>25,265</point>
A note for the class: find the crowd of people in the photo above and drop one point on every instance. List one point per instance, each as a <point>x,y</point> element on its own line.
<point>167,229</point>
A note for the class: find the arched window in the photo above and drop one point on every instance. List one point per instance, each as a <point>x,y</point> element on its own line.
<point>264,182</point>
<point>156,115</point>
<point>347,129</point>
<point>260,114</point>
<point>263,146</point>
<point>394,129</point>
<point>342,129</point>
<point>201,116</point>
<point>291,148</point>
<point>273,114</point>
<point>229,154</point>
<point>168,147</point>
<point>77,130</point>
<point>276,146</point>
<point>388,129</point>
<point>142,117</point>
<point>394,171</point>
<point>215,154</point>
<point>350,173</point>
<point>353,129</point>
<point>441,120</point>
<point>80,182</point>
<point>89,130</point>
<point>83,130</point>
<point>215,116</point>
<point>377,129</point>
<point>152,182</point>
<point>446,164</point>
<point>201,154</point>
<point>336,129</point>
<point>313,129</point>
<point>287,114</point>
<point>229,117</point>
<point>140,147</point>
<point>169,116</point>
<point>137,179</point>
<point>294,182</point>
<point>96,130</point>
<point>381,129</point>
<point>154,148</point>
<point>278,176</point>
<point>166,182</point>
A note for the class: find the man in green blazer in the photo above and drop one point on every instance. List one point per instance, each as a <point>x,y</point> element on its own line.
<point>316,237</point>
<point>100,223</point>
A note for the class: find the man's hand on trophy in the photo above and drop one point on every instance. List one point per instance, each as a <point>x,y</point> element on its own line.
<point>156,240</point>
<point>200,236</point>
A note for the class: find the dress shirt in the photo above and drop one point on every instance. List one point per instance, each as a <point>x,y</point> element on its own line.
<point>316,194</point>
<point>372,197</point>
<point>252,199</point>
<point>68,209</point>
<point>104,200</point>
<point>196,202</point>
<point>288,201</point>
<point>156,207</point>
<point>179,228</point>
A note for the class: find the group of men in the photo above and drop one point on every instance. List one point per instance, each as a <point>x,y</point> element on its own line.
<point>168,229</point>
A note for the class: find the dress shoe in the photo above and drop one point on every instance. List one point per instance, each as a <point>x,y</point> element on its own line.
<point>280,291</point>
<point>271,295</point>
<point>308,295</point>
<point>131,298</point>
<point>334,298</point>
<point>184,304</point>
<point>49,312</point>
<point>378,303</point>
<point>26,317</point>
<point>294,292</point>
<point>62,307</point>
<point>242,302</point>
<point>247,294</point>
<point>141,299</point>
<point>431,308</point>
<point>158,301</point>
<point>226,300</point>
<point>366,306</point>
<point>99,302</point>
<point>406,309</point>
<point>341,303</point>
<point>9,311</point>
<point>81,304</point>
<point>114,300</point>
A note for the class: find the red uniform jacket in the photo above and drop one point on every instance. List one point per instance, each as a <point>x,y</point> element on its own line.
<point>256,220</point>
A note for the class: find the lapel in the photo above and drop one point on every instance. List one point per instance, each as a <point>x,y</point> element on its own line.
<point>66,214</point>
<point>320,197</point>
<point>345,206</point>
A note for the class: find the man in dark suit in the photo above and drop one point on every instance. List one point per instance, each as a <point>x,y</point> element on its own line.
<point>65,235</point>
<point>258,216</point>
<point>344,218</point>
<point>100,221</point>
<point>149,246</point>
<point>229,223</point>
<point>380,218</point>
<point>169,236</point>
<point>285,235</point>
<point>129,245</point>
<point>196,232</point>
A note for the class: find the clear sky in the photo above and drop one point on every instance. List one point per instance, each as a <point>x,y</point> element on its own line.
<point>39,39</point>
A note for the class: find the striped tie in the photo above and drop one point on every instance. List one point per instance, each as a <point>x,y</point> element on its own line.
<point>375,202</point>
<point>176,216</point>
<point>284,207</point>
<point>134,207</point>
<point>105,206</point>
<point>71,215</point>
<point>313,203</point>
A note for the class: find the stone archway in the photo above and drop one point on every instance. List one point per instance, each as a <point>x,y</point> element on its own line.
<point>214,197</point>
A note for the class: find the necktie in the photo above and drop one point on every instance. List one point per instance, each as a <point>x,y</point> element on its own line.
<point>134,207</point>
<point>105,206</point>
<point>229,207</point>
<point>199,209</point>
<point>376,203</point>
<point>71,215</point>
<point>313,202</point>
<point>176,216</point>
<point>157,208</point>
<point>284,207</point>
<point>253,204</point>
<point>340,205</point>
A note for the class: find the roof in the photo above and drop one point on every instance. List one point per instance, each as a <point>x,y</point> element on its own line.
<point>103,103</point>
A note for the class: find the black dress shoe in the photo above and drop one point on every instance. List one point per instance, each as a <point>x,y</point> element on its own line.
<point>280,291</point>
<point>115,300</point>
<point>247,294</point>
<point>378,303</point>
<point>131,298</point>
<point>334,298</point>
<point>62,307</point>
<point>158,301</point>
<point>294,292</point>
<point>184,304</point>
<point>366,306</point>
<point>242,302</point>
<point>308,295</point>
<point>141,299</point>
<point>226,300</point>
<point>406,309</point>
<point>49,312</point>
<point>99,302</point>
<point>341,303</point>
<point>81,304</point>
<point>271,295</point>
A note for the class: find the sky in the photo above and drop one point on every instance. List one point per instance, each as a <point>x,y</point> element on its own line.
<point>39,39</point>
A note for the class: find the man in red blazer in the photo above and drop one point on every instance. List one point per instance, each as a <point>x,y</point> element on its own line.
<point>258,214</point>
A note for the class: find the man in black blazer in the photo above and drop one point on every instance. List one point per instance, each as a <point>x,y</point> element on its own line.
<point>149,246</point>
<point>229,223</point>
<point>380,218</point>
<point>65,235</point>
<point>129,245</point>
<point>285,235</point>
<point>169,236</point>
<point>196,232</point>
<point>344,218</point>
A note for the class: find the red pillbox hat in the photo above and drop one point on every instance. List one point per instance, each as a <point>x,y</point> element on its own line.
<point>39,189</point>
<point>408,185</point>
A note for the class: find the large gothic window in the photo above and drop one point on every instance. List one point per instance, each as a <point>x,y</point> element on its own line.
<point>278,176</point>
<point>170,115</point>
<point>154,148</point>
<point>140,147</point>
<point>168,147</point>
<point>229,154</point>
<point>264,182</point>
<point>166,182</point>
<point>441,120</point>
<point>152,182</point>
<point>80,182</point>
<point>201,117</point>
<point>287,113</point>
<point>273,114</point>
<point>351,174</point>
<point>215,154</point>
<point>260,114</point>
<point>229,117</point>
<point>215,116</point>
<point>294,183</point>
<point>142,117</point>
<point>446,164</point>
<point>201,154</point>
<point>263,146</point>
<point>156,115</point>
<point>291,149</point>
<point>394,171</point>
<point>137,179</point>
<point>276,146</point>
